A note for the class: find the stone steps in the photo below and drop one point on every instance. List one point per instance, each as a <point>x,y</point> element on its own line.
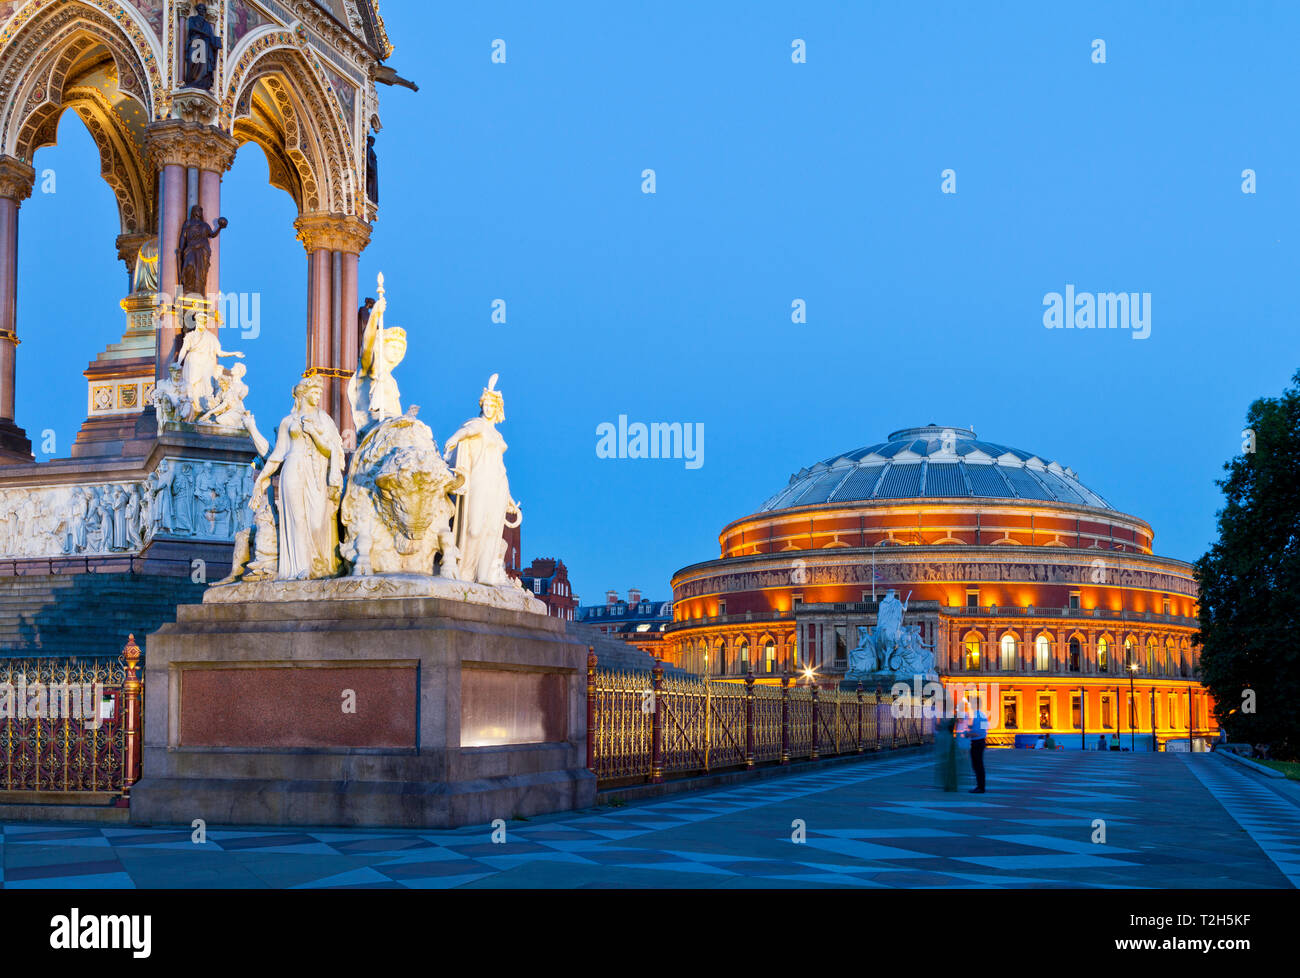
<point>614,654</point>
<point>86,614</point>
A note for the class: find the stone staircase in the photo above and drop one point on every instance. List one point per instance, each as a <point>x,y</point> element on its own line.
<point>616,655</point>
<point>87,614</point>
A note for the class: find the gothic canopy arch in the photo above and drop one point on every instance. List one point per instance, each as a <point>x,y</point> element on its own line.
<point>282,102</point>
<point>74,55</point>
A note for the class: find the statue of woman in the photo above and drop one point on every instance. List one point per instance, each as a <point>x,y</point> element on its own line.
<point>196,252</point>
<point>308,454</point>
<point>145,278</point>
<point>477,453</point>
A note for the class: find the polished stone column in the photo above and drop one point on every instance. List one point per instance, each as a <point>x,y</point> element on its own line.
<point>334,243</point>
<point>191,157</point>
<point>16,179</point>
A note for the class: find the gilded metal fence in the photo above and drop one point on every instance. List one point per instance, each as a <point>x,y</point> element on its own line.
<point>70,724</point>
<point>643,726</point>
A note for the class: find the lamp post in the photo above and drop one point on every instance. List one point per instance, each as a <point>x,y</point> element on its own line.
<point>1132,707</point>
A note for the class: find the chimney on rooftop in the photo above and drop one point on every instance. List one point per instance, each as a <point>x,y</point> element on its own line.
<point>634,595</point>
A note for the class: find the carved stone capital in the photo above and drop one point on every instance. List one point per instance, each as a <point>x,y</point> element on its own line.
<point>16,179</point>
<point>193,105</point>
<point>333,232</point>
<point>176,142</point>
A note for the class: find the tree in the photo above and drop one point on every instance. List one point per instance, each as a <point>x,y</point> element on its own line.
<point>1250,583</point>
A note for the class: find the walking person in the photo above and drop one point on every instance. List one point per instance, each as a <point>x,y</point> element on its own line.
<point>979,729</point>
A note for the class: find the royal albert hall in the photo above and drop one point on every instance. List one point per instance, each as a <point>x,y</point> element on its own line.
<point>1027,583</point>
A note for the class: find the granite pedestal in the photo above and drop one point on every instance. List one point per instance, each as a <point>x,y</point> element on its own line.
<point>389,704</point>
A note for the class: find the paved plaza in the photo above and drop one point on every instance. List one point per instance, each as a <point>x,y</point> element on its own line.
<point>1170,821</point>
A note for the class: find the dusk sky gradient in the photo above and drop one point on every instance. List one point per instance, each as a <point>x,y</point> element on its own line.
<point>776,181</point>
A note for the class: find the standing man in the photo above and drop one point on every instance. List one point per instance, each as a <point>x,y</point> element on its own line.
<point>979,730</point>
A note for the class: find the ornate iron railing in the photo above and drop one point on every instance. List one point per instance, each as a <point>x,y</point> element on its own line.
<point>644,727</point>
<point>70,724</point>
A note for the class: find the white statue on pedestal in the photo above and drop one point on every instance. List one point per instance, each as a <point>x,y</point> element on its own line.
<point>308,454</point>
<point>372,391</point>
<point>476,453</point>
<point>198,361</point>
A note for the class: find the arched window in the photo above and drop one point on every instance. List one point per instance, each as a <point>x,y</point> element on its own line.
<point>720,658</point>
<point>1103,655</point>
<point>1042,653</point>
<point>1008,660</point>
<point>973,653</point>
<point>1076,655</point>
<point>743,656</point>
<point>1167,659</point>
<point>793,646</point>
<point>1130,654</point>
<point>1150,664</point>
<point>769,656</point>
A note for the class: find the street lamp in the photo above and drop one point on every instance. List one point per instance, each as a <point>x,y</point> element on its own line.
<point>1132,707</point>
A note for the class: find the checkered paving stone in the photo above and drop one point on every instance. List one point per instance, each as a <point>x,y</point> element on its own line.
<point>1270,818</point>
<point>1169,821</point>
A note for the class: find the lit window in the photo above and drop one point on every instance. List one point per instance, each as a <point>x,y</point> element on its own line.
<point>1103,655</point>
<point>1076,712</point>
<point>1008,663</point>
<point>1045,711</point>
<point>1042,654</point>
<point>972,654</point>
<point>1009,711</point>
<point>769,656</point>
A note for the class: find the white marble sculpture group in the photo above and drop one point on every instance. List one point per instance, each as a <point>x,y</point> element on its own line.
<point>893,648</point>
<point>199,390</point>
<point>402,515</point>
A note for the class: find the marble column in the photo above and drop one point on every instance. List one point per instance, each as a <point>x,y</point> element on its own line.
<point>16,180</point>
<point>334,243</point>
<point>191,158</point>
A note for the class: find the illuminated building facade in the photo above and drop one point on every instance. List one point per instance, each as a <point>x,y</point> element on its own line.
<point>1022,579</point>
<point>637,621</point>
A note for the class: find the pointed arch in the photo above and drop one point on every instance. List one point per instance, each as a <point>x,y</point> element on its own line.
<point>94,57</point>
<point>280,98</point>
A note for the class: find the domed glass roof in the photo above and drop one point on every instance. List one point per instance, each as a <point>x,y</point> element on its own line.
<point>934,462</point>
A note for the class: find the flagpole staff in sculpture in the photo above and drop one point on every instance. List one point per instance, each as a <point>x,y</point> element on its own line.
<point>476,452</point>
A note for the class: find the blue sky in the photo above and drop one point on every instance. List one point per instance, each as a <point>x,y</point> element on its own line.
<point>778,181</point>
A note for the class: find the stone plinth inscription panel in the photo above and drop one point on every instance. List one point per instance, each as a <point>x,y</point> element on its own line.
<point>303,705</point>
<point>500,707</point>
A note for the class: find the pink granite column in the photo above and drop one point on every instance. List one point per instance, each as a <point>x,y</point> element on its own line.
<point>173,216</point>
<point>210,201</point>
<point>333,243</point>
<point>8,303</point>
<point>16,179</point>
<point>348,346</point>
<point>319,327</point>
